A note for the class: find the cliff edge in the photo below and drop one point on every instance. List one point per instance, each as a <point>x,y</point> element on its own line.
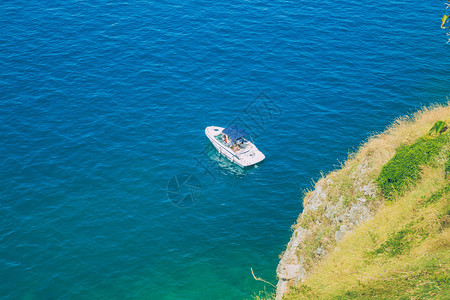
<point>373,202</point>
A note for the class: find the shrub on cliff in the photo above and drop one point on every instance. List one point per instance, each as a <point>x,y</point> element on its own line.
<point>439,127</point>
<point>405,167</point>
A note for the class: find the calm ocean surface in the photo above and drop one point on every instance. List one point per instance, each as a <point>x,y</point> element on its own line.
<point>103,106</point>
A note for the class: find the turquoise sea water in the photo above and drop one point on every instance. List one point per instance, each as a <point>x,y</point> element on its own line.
<point>103,106</point>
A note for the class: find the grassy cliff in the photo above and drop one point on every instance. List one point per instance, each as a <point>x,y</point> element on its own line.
<point>379,226</point>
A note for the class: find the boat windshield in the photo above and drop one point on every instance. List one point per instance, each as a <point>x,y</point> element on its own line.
<point>242,143</point>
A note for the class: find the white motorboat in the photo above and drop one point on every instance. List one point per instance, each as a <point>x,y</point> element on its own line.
<point>231,143</point>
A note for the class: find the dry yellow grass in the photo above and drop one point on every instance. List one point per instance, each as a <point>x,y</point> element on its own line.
<point>348,263</point>
<point>348,267</point>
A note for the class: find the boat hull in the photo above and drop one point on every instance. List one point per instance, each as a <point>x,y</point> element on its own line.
<point>243,159</point>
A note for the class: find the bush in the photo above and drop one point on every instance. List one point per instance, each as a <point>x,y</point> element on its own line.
<point>404,168</point>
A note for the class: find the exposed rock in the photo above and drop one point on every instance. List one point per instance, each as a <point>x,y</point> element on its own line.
<point>289,271</point>
<point>318,196</point>
<point>331,211</point>
<point>369,190</point>
<point>358,213</point>
<point>292,268</point>
<point>338,235</point>
<point>360,170</point>
<point>282,288</point>
<point>320,251</point>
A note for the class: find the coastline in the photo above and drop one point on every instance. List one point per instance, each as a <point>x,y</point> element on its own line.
<point>345,199</point>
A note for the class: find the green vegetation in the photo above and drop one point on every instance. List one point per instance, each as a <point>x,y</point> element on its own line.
<point>425,280</point>
<point>263,295</point>
<point>405,167</point>
<point>443,192</point>
<point>396,244</point>
<point>438,127</point>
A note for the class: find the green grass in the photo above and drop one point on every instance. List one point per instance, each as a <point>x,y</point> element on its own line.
<point>263,295</point>
<point>397,243</point>
<point>405,167</point>
<point>426,280</point>
<point>436,196</point>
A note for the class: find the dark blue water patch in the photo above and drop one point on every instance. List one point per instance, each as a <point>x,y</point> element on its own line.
<point>102,104</point>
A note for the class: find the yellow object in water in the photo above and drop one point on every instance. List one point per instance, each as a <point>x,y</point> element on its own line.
<point>444,19</point>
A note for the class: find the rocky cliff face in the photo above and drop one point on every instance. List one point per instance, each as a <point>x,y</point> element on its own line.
<point>338,203</point>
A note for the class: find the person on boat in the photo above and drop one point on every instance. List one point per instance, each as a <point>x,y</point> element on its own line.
<point>227,140</point>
